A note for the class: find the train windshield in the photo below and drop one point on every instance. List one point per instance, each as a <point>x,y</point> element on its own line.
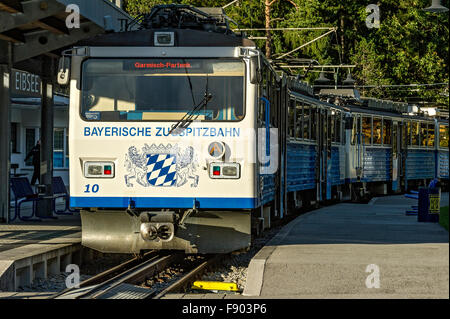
<point>162,89</point>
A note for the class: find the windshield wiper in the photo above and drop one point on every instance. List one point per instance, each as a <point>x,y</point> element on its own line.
<point>186,120</point>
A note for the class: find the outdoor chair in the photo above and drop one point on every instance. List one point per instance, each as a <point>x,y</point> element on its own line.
<point>60,190</point>
<point>23,192</point>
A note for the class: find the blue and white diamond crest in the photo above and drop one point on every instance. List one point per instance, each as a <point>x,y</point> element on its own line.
<point>162,169</point>
<point>161,166</point>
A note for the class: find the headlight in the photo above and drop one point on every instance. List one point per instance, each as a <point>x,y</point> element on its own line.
<point>230,171</point>
<point>99,169</point>
<point>225,170</point>
<point>164,39</point>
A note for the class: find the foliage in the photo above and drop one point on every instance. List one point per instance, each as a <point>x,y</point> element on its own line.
<point>411,45</point>
<point>443,217</point>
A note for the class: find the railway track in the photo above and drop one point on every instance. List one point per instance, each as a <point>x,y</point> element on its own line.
<point>127,279</point>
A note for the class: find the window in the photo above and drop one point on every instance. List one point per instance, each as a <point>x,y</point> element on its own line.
<point>67,151</point>
<point>337,126</point>
<point>356,129</point>
<point>415,133</point>
<point>443,136</point>
<point>306,121</point>
<point>313,122</point>
<point>423,134</point>
<point>299,120</point>
<point>366,130</point>
<point>262,113</point>
<point>273,97</point>
<point>58,147</point>
<point>408,133</point>
<point>395,138</point>
<point>163,89</point>
<point>14,138</point>
<point>377,130</point>
<point>404,134</point>
<point>387,132</point>
<point>291,118</point>
<point>331,123</point>
<point>431,135</point>
<point>30,142</point>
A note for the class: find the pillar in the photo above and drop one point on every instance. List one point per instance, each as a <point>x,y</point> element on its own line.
<point>5,129</point>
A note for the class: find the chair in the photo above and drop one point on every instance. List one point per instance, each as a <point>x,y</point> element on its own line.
<point>60,190</point>
<point>14,166</point>
<point>23,192</point>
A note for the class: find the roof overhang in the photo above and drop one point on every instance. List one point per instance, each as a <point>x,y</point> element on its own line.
<point>38,27</point>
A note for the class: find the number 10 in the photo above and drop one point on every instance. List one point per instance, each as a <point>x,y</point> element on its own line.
<point>94,188</point>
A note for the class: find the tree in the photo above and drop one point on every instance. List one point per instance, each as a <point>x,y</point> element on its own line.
<point>411,46</point>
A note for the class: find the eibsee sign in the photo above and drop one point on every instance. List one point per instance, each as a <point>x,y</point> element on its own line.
<point>25,84</point>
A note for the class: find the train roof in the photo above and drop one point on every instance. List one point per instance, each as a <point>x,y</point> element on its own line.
<point>183,38</point>
<point>354,108</point>
<point>191,26</point>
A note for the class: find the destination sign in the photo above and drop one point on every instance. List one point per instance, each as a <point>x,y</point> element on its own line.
<point>160,65</point>
<point>164,66</point>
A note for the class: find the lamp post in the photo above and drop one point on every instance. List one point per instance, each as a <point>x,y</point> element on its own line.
<point>436,7</point>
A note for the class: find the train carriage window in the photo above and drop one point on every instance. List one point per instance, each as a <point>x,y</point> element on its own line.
<point>313,122</point>
<point>404,134</point>
<point>262,113</point>
<point>377,130</point>
<point>366,130</point>
<point>273,100</point>
<point>306,121</point>
<point>291,118</point>
<point>332,123</point>
<point>443,135</point>
<point>263,92</point>
<point>415,133</point>
<point>337,126</point>
<point>299,120</point>
<point>387,132</point>
<point>356,129</point>
<point>431,136</point>
<point>329,130</point>
<point>423,134</point>
<point>408,133</point>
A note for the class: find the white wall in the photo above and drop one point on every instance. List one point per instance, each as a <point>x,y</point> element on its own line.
<point>30,117</point>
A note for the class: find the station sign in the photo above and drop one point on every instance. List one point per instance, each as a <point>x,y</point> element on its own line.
<point>25,84</point>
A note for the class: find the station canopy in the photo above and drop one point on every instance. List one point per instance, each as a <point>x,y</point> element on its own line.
<point>38,27</point>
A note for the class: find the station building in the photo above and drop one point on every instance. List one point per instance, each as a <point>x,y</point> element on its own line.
<point>33,34</point>
<point>26,122</point>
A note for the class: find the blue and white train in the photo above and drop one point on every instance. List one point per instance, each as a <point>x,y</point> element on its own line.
<point>183,136</point>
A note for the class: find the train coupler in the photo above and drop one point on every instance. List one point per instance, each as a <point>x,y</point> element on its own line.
<point>158,225</point>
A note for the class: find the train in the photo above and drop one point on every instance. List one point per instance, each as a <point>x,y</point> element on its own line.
<point>184,136</point>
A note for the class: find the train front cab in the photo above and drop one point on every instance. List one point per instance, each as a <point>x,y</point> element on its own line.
<point>113,207</point>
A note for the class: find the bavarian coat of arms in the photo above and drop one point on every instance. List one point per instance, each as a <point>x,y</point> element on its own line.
<point>161,166</point>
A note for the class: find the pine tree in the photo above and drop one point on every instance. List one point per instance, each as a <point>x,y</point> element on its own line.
<point>411,46</point>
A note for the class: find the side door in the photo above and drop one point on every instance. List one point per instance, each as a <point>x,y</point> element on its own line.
<point>324,152</point>
<point>396,156</point>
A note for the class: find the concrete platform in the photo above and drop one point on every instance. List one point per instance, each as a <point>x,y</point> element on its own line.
<point>205,296</point>
<point>30,250</point>
<point>25,295</point>
<point>326,253</point>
